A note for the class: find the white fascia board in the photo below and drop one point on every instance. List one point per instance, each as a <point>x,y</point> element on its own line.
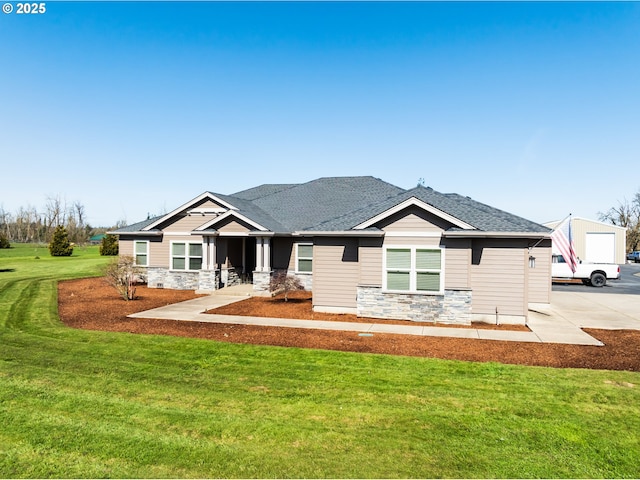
<point>411,202</point>
<point>200,197</point>
<point>341,233</point>
<point>233,214</point>
<point>154,233</point>
<point>413,234</point>
<point>480,234</point>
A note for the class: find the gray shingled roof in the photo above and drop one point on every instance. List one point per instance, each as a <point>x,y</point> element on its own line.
<point>254,212</point>
<point>479,215</point>
<point>136,227</point>
<point>263,190</point>
<point>303,206</point>
<point>341,203</point>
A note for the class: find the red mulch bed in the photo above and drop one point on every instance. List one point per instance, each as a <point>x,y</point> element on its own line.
<point>92,304</point>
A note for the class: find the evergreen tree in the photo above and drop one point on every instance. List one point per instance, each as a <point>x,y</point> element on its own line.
<point>60,245</point>
<point>4,241</point>
<point>109,245</point>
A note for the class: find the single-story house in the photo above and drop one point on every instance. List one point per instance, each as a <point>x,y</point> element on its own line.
<point>359,244</point>
<point>597,242</point>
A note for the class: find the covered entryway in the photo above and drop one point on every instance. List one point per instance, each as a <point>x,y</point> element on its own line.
<point>236,259</point>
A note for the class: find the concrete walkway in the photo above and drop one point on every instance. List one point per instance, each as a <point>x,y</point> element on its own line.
<point>559,322</point>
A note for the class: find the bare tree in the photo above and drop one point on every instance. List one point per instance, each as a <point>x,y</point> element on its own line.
<point>626,214</point>
<point>5,221</point>
<point>55,211</point>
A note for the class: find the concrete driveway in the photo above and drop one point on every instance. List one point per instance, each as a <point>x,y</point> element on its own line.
<point>608,311</point>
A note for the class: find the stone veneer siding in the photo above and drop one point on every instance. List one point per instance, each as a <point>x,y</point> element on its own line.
<point>208,280</point>
<point>158,277</point>
<point>453,307</point>
<point>261,282</point>
<point>306,279</point>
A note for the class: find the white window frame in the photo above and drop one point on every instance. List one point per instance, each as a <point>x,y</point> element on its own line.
<point>186,256</point>
<point>298,258</point>
<point>135,252</point>
<point>413,271</point>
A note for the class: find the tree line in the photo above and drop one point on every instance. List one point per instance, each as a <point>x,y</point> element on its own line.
<point>29,225</point>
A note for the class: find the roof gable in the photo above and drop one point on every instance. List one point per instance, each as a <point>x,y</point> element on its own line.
<point>414,202</point>
<point>224,219</point>
<point>191,204</point>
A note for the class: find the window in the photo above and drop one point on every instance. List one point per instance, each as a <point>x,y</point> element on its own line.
<point>413,269</point>
<point>141,253</point>
<point>186,256</point>
<point>304,260</point>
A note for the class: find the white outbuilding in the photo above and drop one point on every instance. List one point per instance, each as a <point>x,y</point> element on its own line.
<point>597,242</point>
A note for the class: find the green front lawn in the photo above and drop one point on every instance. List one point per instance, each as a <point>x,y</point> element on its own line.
<point>78,403</point>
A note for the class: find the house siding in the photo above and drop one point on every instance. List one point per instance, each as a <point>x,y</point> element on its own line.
<point>498,278</point>
<point>414,227</point>
<point>415,220</point>
<point>232,226</point>
<point>335,273</point>
<point>540,275</point>
<point>188,223</point>
<point>370,255</point>
<point>457,263</point>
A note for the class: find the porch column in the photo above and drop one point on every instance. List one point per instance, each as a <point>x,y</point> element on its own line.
<point>266,265</point>
<point>259,249</point>
<point>205,253</point>
<point>212,253</point>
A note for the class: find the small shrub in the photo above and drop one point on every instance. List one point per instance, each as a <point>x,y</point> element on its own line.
<point>109,245</point>
<point>4,242</point>
<point>60,245</point>
<point>123,274</point>
<point>283,282</point>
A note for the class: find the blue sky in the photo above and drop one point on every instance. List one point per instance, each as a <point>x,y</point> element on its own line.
<point>133,108</point>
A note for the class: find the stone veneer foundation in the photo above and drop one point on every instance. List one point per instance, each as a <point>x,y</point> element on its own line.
<point>452,307</point>
<point>158,277</point>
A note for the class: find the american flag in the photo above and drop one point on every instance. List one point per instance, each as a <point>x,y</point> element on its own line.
<point>563,241</point>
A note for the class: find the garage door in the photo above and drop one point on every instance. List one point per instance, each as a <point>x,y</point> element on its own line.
<point>600,247</point>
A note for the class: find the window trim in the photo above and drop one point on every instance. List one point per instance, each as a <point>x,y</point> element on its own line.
<point>413,271</point>
<point>186,256</point>
<point>298,258</point>
<point>135,253</point>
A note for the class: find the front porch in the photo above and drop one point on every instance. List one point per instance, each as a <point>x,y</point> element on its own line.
<point>232,260</point>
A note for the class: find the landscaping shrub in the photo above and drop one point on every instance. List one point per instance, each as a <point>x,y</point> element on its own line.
<point>109,245</point>
<point>4,242</point>
<point>60,245</point>
<point>123,274</point>
<point>283,282</point>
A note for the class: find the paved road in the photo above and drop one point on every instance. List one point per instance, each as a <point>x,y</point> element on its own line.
<point>629,283</point>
